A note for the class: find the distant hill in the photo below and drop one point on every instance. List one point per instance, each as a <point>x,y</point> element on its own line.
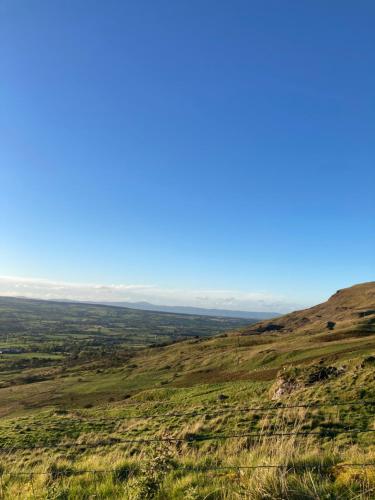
<point>348,309</point>
<point>147,306</point>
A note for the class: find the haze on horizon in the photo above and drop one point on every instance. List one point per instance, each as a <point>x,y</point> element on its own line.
<point>210,154</point>
<point>209,299</point>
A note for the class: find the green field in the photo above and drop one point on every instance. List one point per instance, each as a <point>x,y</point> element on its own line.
<point>35,333</point>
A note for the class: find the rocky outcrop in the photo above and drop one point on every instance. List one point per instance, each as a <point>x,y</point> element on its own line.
<point>293,378</point>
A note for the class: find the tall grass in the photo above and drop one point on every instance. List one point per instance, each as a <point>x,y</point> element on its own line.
<point>312,469</point>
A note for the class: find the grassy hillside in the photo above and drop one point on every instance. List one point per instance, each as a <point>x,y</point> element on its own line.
<point>200,418</point>
<point>347,311</point>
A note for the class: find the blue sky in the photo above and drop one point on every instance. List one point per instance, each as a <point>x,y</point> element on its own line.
<point>209,151</point>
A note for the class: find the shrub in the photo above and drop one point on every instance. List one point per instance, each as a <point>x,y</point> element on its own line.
<point>151,475</point>
<point>56,471</point>
<point>368,361</point>
<point>123,472</point>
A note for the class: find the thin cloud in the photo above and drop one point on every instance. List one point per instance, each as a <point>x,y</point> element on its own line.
<point>209,298</point>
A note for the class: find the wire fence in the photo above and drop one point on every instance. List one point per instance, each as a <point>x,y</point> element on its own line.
<point>288,467</point>
<point>324,433</point>
<point>246,409</point>
<point>197,469</point>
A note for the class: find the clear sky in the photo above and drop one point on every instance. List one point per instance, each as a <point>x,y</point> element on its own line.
<point>210,152</point>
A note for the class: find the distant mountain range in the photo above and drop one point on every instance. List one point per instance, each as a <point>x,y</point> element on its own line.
<point>147,306</point>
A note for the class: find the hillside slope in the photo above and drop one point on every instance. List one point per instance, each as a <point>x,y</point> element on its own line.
<point>349,309</point>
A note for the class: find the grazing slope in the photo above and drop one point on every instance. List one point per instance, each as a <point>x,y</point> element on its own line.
<point>351,309</point>
<point>176,421</point>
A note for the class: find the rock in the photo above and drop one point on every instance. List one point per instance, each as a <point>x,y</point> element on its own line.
<point>294,378</point>
<point>369,312</point>
<point>284,387</point>
<point>322,373</point>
